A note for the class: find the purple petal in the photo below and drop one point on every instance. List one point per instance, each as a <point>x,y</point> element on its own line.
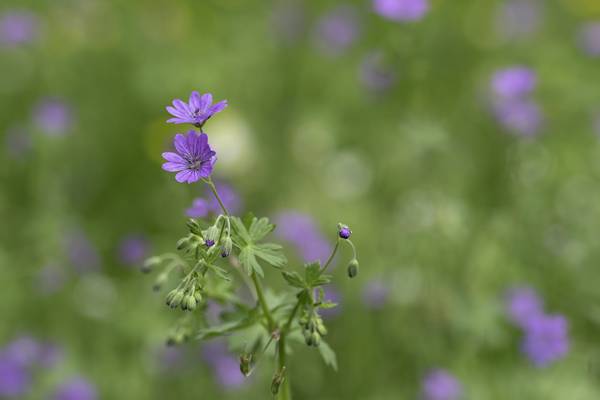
<point>206,170</point>
<point>183,176</point>
<point>205,102</point>
<point>195,102</point>
<point>173,157</point>
<point>174,167</point>
<point>175,112</point>
<point>181,106</point>
<point>180,143</point>
<point>220,106</point>
<point>193,144</point>
<point>194,176</point>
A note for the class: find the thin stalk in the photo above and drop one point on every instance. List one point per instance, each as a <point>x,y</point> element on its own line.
<point>284,390</point>
<point>263,303</point>
<point>330,259</point>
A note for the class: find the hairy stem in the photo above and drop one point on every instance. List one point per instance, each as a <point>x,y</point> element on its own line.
<point>263,303</point>
<point>284,390</point>
<point>330,259</point>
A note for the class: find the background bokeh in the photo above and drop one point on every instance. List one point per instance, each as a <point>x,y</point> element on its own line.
<point>458,139</point>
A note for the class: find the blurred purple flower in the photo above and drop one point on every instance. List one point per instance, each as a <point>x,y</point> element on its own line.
<point>133,249</point>
<point>82,254</point>
<point>589,38</point>
<point>53,116</point>
<point>199,208</point>
<point>333,295</point>
<point>226,367</point>
<point>401,10</point>
<point>289,21</point>
<point>514,82</point>
<point>197,111</point>
<point>18,142</point>
<point>546,339</point>
<point>338,30</point>
<point>17,28</point>
<point>376,294</point>
<point>50,279</point>
<point>518,18</point>
<point>76,389</point>
<point>375,75</point>
<point>24,351</point>
<point>302,231</point>
<point>522,305</point>
<point>14,378</point>
<point>441,385</point>
<point>521,117</point>
<point>49,355</point>
<point>170,358</point>
<point>194,158</point>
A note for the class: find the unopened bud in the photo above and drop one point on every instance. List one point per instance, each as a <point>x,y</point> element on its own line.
<point>316,339</point>
<point>150,263</point>
<point>353,268</point>
<point>227,247</point>
<point>183,243</point>
<point>170,296</point>
<point>161,279</point>
<point>246,364</point>
<point>193,226</point>
<point>278,379</point>
<point>190,302</point>
<point>198,296</point>
<point>212,233</point>
<point>344,231</point>
<point>321,328</point>
<point>176,300</point>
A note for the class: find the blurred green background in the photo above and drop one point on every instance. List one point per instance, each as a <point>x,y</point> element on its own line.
<point>387,126</point>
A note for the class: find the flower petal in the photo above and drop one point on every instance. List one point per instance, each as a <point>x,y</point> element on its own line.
<point>194,103</point>
<point>220,106</point>
<point>175,112</point>
<point>174,167</point>
<point>205,102</point>
<point>183,176</point>
<point>173,157</point>
<point>194,176</point>
<point>181,106</point>
<point>180,143</point>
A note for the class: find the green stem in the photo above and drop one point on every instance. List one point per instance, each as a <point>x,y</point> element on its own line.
<point>263,303</point>
<point>213,188</point>
<point>284,390</point>
<point>330,259</point>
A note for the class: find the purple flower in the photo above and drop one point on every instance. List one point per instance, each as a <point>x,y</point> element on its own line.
<point>522,305</point>
<point>17,27</point>
<point>375,75</point>
<point>81,252</point>
<point>197,111</point>
<point>53,116</point>
<point>301,230</point>
<point>133,249</point>
<point>513,82</point>
<point>14,377</point>
<point>376,294</point>
<point>546,339</point>
<point>518,18</point>
<point>226,367</point>
<point>521,117</point>
<point>589,38</point>
<point>194,158</point>
<point>76,389</point>
<point>441,385</point>
<point>24,351</point>
<point>338,29</point>
<point>199,208</point>
<point>401,10</point>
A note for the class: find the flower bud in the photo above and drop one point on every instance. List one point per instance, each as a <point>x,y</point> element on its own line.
<point>150,263</point>
<point>321,328</point>
<point>161,279</point>
<point>344,231</point>
<point>212,233</point>
<point>193,226</point>
<point>183,243</point>
<point>278,379</point>
<point>316,339</point>
<point>176,300</point>
<point>227,247</point>
<point>353,268</point>
<point>189,302</point>
<point>246,361</point>
<point>170,296</point>
<point>209,243</point>
<point>198,296</point>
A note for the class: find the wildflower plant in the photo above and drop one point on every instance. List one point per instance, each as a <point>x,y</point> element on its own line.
<point>218,255</point>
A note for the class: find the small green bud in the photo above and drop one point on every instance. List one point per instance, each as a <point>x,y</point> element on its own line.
<point>212,233</point>
<point>227,247</point>
<point>246,361</point>
<point>198,296</point>
<point>150,263</point>
<point>353,268</point>
<point>321,328</point>
<point>278,379</point>
<point>183,243</point>
<point>176,300</point>
<point>308,338</point>
<point>170,296</point>
<point>194,227</point>
<point>190,302</point>
<point>316,339</point>
<point>161,279</point>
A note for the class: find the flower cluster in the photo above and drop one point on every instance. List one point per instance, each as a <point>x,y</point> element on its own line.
<point>512,103</point>
<point>216,248</point>
<point>545,336</point>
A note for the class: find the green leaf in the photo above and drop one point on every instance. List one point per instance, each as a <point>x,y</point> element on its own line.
<point>311,272</point>
<point>260,228</point>
<point>227,327</point>
<point>270,253</point>
<point>294,279</point>
<point>220,272</point>
<point>241,231</point>
<point>327,304</point>
<point>328,355</point>
<point>248,260</point>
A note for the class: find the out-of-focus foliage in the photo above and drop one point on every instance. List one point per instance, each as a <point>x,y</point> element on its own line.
<point>391,126</point>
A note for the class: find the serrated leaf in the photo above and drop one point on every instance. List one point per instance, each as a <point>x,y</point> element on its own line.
<point>322,280</point>
<point>260,228</point>
<point>220,272</point>
<point>270,253</point>
<point>247,220</point>
<point>328,355</point>
<point>227,327</point>
<point>294,279</point>
<point>241,232</point>
<point>311,272</point>
<point>327,304</point>
<point>248,260</point>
